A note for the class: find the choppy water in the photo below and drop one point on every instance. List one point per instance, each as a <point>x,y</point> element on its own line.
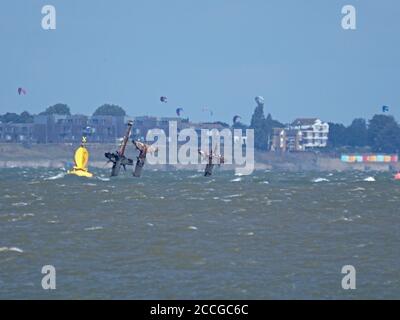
<point>178,235</point>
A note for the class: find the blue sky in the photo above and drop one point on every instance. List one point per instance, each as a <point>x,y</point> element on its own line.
<point>218,54</point>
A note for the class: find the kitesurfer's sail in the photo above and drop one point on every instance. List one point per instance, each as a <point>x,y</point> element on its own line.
<point>179,111</point>
<point>236,119</point>
<point>81,159</point>
<point>21,91</point>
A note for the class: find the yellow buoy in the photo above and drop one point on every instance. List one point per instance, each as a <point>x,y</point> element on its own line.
<point>81,160</point>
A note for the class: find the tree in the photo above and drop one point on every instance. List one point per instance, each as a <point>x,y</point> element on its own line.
<point>262,127</point>
<point>24,117</point>
<point>223,124</point>
<point>239,125</point>
<point>388,140</point>
<point>109,110</point>
<point>379,126</point>
<point>258,125</point>
<point>357,133</point>
<point>10,117</point>
<point>384,134</point>
<point>58,108</point>
<point>271,123</point>
<point>337,135</point>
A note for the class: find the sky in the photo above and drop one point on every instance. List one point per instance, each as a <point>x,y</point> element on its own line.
<point>216,54</point>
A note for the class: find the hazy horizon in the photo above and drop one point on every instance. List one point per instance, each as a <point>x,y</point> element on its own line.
<point>215,54</point>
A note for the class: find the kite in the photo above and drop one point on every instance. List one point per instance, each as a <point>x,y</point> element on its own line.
<point>236,118</point>
<point>179,111</point>
<point>21,91</point>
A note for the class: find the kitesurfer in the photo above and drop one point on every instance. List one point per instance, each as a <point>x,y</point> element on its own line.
<point>212,159</point>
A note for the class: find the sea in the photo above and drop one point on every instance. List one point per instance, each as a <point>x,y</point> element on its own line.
<point>180,235</point>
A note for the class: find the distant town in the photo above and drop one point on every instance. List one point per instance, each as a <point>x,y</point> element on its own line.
<point>107,125</point>
<point>57,125</point>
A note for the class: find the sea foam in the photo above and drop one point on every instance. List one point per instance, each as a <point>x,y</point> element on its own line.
<point>57,176</point>
<point>13,249</point>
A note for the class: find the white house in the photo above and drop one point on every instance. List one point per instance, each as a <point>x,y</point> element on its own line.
<point>314,132</point>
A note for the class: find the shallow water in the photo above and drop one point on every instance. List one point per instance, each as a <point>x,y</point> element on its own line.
<point>178,235</point>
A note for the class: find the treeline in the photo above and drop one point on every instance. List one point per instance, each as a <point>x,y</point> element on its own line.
<point>61,109</point>
<point>379,134</point>
<point>10,117</point>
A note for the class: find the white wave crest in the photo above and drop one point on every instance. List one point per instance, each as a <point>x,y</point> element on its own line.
<point>320,180</point>
<point>13,249</point>
<point>370,179</point>
<point>57,176</point>
<point>103,179</point>
<point>93,228</point>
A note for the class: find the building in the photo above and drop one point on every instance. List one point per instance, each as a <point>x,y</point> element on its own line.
<point>16,132</point>
<point>286,140</point>
<point>105,128</point>
<point>98,129</point>
<point>369,158</point>
<point>301,135</point>
<point>314,132</point>
<point>58,128</point>
<point>142,125</point>
<point>71,128</point>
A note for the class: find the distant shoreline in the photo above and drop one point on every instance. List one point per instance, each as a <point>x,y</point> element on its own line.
<point>61,156</point>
